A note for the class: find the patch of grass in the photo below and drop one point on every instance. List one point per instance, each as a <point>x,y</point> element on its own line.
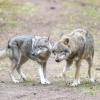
<point>12,23</point>
<point>3,66</point>
<point>10,11</point>
<point>8,7</point>
<point>27,9</point>
<point>89,88</point>
<point>69,4</point>
<point>91,11</point>
<point>94,2</point>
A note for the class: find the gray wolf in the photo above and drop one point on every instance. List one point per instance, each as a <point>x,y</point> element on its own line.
<point>24,47</point>
<point>76,46</point>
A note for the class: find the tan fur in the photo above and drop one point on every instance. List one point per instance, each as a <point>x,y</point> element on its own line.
<point>79,45</point>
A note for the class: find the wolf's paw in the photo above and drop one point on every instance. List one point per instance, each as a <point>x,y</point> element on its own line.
<point>15,81</point>
<point>60,75</point>
<point>24,78</point>
<point>92,80</point>
<point>75,83</point>
<point>45,82</point>
<point>48,82</point>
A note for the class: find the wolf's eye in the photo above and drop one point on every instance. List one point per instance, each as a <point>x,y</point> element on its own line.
<point>39,47</point>
<point>34,47</point>
<point>66,50</point>
<point>53,52</point>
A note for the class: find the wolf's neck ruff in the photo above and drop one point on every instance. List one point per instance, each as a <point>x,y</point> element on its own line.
<point>35,41</point>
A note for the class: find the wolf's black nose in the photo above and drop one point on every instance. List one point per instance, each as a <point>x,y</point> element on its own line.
<point>57,60</point>
<point>33,54</point>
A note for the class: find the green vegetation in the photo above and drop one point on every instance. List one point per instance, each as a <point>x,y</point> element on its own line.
<point>10,13</point>
<point>89,88</point>
<point>91,11</point>
<point>94,2</point>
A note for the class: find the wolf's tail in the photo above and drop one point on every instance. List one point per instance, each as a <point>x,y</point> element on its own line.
<point>3,53</point>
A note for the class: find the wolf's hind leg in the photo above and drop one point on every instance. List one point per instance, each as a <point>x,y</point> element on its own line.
<point>19,70</point>
<point>22,75</point>
<point>13,67</point>
<point>91,70</point>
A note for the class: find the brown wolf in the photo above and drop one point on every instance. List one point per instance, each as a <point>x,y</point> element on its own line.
<point>76,46</point>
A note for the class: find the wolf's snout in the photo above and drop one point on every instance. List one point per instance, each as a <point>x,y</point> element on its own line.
<point>33,54</point>
<point>57,60</point>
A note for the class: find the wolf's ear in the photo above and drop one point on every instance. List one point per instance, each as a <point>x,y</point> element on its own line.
<point>66,41</point>
<point>61,34</point>
<point>49,35</point>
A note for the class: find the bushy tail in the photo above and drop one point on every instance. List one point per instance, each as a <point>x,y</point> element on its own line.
<point>3,53</point>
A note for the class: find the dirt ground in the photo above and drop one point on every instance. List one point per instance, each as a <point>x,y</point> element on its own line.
<point>43,17</point>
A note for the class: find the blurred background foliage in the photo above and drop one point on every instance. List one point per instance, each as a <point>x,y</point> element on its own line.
<point>11,12</point>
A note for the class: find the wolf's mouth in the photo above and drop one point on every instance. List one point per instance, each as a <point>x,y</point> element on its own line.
<point>44,55</point>
<point>57,60</point>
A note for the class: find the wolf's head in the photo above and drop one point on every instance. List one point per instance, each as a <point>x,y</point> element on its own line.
<point>61,49</point>
<point>41,48</point>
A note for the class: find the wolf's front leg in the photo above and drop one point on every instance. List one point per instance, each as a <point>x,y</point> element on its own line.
<point>65,69</point>
<point>42,73</point>
<point>76,81</point>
